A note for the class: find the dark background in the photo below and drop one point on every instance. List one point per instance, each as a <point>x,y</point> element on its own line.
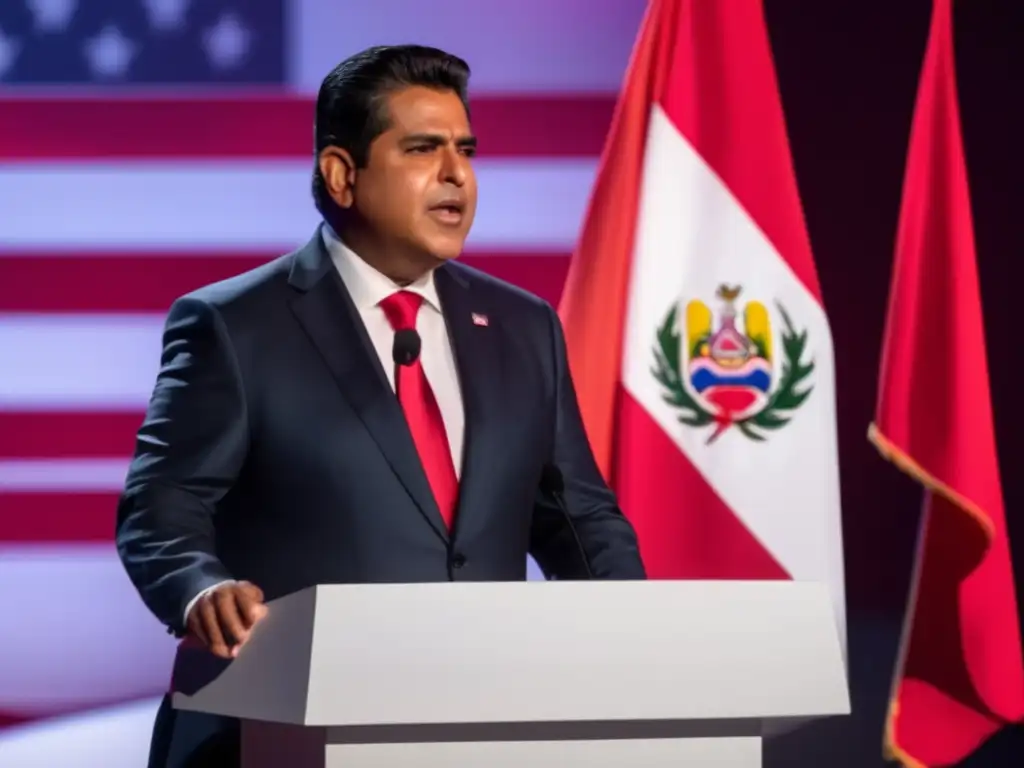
<point>848,72</point>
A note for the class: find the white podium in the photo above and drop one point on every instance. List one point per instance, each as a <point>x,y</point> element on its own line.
<point>503,675</point>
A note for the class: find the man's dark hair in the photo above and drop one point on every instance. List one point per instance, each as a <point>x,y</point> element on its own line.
<point>351,107</point>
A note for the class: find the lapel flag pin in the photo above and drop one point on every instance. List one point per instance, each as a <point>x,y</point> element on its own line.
<point>479,319</point>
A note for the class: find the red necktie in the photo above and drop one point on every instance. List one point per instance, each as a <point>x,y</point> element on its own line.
<point>421,410</point>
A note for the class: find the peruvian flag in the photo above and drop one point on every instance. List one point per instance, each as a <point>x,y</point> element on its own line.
<point>696,333</point>
<point>960,677</point>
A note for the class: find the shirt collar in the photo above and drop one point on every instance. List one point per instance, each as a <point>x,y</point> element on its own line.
<point>366,285</point>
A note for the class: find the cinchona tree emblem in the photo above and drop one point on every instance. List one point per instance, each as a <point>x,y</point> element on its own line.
<point>731,377</point>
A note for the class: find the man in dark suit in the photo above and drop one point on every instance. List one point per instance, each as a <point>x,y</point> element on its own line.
<point>364,409</point>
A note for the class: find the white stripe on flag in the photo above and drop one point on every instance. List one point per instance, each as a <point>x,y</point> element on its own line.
<point>693,237</point>
<point>79,361</point>
<point>73,475</point>
<point>515,47</point>
<point>535,204</point>
<point>78,635</point>
<point>111,736</point>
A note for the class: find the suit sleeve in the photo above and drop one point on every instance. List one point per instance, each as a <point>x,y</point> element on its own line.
<point>189,451</point>
<point>607,537</point>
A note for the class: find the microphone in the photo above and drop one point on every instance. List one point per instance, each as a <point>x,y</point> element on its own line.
<point>406,347</point>
<point>552,482</point>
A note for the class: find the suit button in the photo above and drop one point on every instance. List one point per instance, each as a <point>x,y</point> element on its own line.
<point>458,561</point>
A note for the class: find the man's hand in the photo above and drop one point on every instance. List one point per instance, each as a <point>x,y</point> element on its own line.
<point>224,617</point>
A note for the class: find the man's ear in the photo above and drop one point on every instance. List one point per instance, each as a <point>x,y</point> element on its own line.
<point>339,172</point>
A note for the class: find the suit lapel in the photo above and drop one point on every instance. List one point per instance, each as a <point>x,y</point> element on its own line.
<point>327,313</point>
<point>476,348</point>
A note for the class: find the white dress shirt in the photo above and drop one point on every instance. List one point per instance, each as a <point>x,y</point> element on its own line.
<point>368,288</point>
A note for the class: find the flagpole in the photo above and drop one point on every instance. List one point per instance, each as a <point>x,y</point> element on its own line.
<point>890,750</point>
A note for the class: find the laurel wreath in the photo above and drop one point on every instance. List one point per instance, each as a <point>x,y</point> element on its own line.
<point>777,411</point>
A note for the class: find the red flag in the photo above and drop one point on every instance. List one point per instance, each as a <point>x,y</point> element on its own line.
<point>960,676</point>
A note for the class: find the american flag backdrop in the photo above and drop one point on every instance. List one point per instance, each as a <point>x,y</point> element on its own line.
<point>148,147</point>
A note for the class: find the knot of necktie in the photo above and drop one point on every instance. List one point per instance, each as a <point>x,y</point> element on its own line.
<point>401,308</point>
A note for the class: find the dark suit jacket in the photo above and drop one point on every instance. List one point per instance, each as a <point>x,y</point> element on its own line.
<point>274,450</point>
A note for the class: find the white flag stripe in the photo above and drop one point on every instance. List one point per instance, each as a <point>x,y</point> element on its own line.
<point>155,251</point>
<point>530,46</point>
<point>534,204</point>
<point>693,236</point>
<point>79,361</point>
<point>71,475</point>
<point>71,648</point>
<point>111,737</point>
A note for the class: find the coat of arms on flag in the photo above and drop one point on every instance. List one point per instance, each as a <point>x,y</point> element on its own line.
<point>726,376</point>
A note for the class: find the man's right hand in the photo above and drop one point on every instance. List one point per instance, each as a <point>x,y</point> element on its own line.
<point>223,618</point>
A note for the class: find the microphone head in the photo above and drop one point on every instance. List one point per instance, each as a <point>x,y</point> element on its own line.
<point>406,347</point>
<point>551,479</point>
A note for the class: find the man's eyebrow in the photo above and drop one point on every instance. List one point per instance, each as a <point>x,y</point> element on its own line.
<point>438,139</point>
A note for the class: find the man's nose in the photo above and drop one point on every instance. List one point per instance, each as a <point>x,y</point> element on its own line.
<point>455,167</point>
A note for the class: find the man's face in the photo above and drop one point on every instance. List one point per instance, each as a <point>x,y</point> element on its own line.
<point>418,189</point>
